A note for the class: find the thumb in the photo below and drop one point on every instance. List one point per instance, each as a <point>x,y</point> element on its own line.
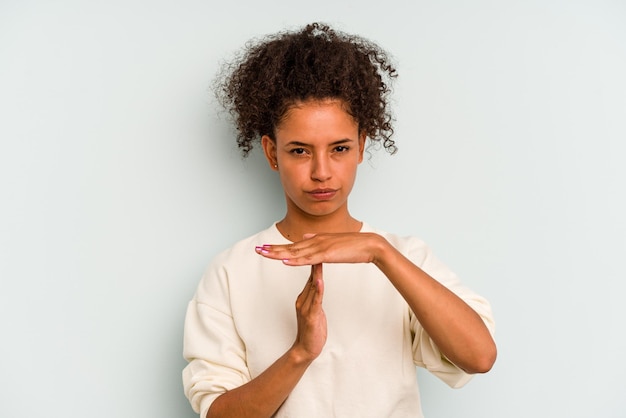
<point>316,273</point>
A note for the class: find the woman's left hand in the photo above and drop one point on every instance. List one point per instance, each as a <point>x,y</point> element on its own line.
<point>354,247</point>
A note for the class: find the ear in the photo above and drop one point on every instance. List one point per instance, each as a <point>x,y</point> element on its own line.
<point>269,148</point>
<point>362,138</point>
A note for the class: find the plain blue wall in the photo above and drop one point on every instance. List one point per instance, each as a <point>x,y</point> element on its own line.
<point>119,181</point>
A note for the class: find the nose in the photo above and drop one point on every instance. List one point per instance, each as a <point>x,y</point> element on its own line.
<point>320,168</point>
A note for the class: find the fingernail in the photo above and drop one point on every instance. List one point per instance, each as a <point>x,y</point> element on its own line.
<point>285,260</point>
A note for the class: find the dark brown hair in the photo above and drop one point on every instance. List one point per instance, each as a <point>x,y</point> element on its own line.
<point>273,73</point>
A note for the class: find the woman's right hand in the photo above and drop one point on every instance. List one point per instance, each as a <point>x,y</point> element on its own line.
<point>312,328</point>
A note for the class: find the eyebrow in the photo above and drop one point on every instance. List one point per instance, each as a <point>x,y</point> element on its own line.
<point>303,144</point>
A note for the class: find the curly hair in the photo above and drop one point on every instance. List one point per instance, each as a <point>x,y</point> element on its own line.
<point>273,73</point>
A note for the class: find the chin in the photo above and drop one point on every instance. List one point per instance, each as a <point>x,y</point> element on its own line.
<point>319,212</point>
<point>318,209</point>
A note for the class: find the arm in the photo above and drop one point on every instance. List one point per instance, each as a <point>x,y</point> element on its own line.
<point>454,326</point>
<point>263,395</point>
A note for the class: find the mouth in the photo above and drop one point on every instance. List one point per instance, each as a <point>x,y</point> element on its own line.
<point>322,194</point>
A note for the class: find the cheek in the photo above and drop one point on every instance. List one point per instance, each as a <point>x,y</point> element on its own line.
<point>289,179</point>
<point>350,169</point>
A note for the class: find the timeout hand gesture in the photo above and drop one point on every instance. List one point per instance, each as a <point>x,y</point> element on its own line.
<point>314,250</point>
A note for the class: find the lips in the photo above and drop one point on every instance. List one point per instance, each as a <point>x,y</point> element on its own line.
<point>322,194</point>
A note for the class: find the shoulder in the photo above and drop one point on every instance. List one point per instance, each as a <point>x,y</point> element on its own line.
<point>412,247</point>
<point>237,260</point>
<point>420,254</point>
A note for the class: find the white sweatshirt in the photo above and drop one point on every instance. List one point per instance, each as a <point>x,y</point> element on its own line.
<point>242,319</point>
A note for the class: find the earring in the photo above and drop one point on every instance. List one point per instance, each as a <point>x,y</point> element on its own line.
<point>275,165</point>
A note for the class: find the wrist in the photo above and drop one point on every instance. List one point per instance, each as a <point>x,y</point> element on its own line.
<point>300,357</point>
<point>380,250</point>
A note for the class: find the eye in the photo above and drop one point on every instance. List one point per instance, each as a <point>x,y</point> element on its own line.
<point>342,148</point>
<point>298,151</point>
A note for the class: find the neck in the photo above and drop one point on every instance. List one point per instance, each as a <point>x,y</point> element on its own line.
<point>295,225</point>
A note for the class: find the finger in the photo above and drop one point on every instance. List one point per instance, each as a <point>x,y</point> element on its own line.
<point>282,252</point>
<point>293,248</point>
<point>316,272</point>
<point>303,253</point>
<point>314,291</point>
<point>309,292</point>
<point>318,284</point>
<point>308,285</point>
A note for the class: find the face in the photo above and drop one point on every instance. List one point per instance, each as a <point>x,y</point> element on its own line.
<point>316,150</point>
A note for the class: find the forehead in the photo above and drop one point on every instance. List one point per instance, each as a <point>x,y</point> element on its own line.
<point>317,118</point>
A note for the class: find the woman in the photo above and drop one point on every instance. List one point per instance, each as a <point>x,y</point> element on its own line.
<point>369,305</point>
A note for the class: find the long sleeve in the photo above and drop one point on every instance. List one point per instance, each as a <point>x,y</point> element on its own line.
<point>212,346</point>
<point>425,353</point>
